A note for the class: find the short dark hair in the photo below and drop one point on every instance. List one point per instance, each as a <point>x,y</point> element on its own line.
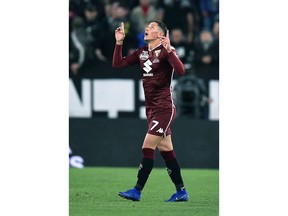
<point>162,26</point>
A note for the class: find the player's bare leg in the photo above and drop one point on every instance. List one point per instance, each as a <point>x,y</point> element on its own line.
<point>151,141</point>
<point>165,144</point>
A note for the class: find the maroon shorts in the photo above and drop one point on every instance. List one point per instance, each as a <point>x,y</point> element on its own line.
<point>160,120</point>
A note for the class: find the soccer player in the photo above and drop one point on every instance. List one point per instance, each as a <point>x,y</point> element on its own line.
<point>158,62</point>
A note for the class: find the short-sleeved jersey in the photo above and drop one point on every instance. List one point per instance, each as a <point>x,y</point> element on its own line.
<point>157,67</point>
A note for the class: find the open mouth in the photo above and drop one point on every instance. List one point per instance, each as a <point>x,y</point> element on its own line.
<point>146,33</point>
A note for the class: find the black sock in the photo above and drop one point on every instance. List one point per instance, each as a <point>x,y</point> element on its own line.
<point>145,168</point>
<point>173,170</point>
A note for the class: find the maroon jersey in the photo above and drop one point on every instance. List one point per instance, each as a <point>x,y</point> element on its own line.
<point>157,66</point>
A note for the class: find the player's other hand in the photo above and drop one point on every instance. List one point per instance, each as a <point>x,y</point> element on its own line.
<point>165,41</point>
<point>120,34</point>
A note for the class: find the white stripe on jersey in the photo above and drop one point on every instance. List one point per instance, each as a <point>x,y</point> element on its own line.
<point>172,103</point>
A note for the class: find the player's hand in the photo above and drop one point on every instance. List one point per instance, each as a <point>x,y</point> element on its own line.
<point>120,34</point>
<point>165,41</point>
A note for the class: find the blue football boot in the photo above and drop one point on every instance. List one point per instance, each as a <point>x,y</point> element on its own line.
<point>132,194</point>
<point>179,196</point>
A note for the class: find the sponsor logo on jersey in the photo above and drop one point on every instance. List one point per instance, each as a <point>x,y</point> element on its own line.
<point>148,75</point>
<point>147,68</point>
<point>144,55</point>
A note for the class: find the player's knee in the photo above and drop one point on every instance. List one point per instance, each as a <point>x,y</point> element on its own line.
<point>148,144</point>
<point>165,146</point>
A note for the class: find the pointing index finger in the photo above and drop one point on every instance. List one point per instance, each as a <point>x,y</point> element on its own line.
<point>122,26</point>
<point>167,33</point>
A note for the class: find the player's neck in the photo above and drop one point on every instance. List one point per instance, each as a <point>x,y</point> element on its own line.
<point>153,44</point>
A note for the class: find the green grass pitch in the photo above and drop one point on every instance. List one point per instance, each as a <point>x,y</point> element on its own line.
<point>94,191</point>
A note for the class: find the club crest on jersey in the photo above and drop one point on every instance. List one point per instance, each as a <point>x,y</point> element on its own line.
<point>144,55</point>
<point>157,53</point>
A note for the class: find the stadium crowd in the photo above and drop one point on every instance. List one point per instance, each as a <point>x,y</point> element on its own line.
<point>193,27</point>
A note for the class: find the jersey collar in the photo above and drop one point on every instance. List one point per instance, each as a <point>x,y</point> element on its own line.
<point>154,47</point>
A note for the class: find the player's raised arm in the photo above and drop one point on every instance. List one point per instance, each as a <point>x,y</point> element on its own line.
<point>172,57</point>
<point>120,34</point>
<point>117,55</point>
<point>118,61</point>
<point>165,41</point>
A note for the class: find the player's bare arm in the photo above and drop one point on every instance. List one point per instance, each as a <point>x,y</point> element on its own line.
<point>120,34</point>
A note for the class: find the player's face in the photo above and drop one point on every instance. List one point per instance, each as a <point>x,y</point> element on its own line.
<point>151,32</point>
